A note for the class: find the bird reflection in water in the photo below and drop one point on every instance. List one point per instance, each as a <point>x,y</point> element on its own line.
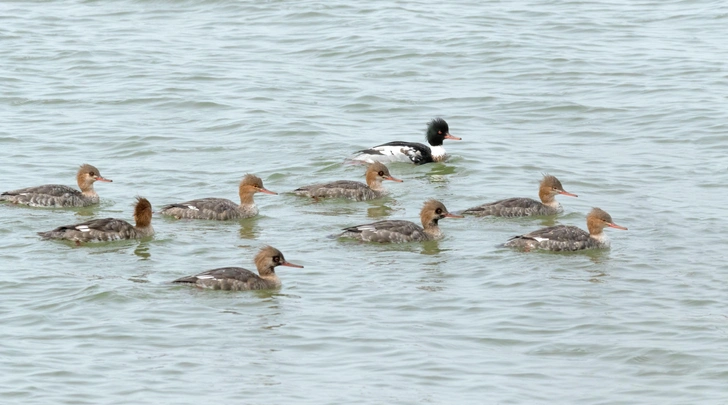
<point>142,250</point>
<point>438,175</point>
<point>379,211</point>
<point>249,228</point>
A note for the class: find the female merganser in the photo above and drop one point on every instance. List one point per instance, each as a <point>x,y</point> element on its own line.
<point>353,190</point>
<point>240,279</point>
<point>563,237</point>
<point>108,229</point>
<point>398,231</point>
<point>221,209</point>
<point>411,152</point>
<point>54,195</point>
<point>524,207</point>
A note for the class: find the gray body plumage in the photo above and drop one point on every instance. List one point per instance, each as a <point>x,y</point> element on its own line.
<point>353,190</point>
<point>514,207</point>
<point>50,195</point>
<point>231,278</point>
<point>396,231</point>
<point>558,238</point>
<point>220,209</point>
<point>97,230</point>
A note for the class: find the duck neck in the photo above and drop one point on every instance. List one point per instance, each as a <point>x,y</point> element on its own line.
<point>432,228</point>
<point>374,182</point>
<point>438,152</point>
<point>87,188</point>
<point>246,198</point>
<point>269,276</point>
<point>596,231</point>
<point>547,198</point>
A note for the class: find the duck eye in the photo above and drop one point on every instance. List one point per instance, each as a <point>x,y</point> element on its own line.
<point>381,173</point>
<point>91,174</point>
<point>276,259</point>
<point>438,211</point>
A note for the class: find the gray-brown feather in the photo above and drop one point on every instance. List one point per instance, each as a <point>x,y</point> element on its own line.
<point>353,190</point>
<point>230,278</point>
<point>107,229</point>
<point>50,195</point>
<point>396,231</point>
<point>513,207</point>
<point>556,238</point>
<point>220,209</point>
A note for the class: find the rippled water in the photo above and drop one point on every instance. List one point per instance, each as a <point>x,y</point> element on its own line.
<point>624,101</point>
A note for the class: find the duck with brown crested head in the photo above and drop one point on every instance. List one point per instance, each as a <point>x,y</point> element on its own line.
<point>108,229</point>
<point>56,195</point>
<point>221,209</point>
<point>240,279</point>
<point>398,231</point>
<point>569,238</point>
<point>411,152</point>
<point>549,188</point>
<point>352,190</point>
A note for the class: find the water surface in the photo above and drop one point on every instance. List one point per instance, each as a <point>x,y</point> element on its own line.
<point>625,102</point>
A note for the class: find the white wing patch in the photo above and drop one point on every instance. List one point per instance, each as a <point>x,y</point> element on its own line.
<point>366,228</point>
<point>205,277</point>
<point>83,228</point>
<point>388,154</point>
<point>193,208</point>
<point>540,239</point>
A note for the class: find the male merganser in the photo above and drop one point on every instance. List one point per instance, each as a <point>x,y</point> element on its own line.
<point>353,190</point>
<point>398,231</point>
<point>240,279</point>
<point>54,195</point>
<point>563,237</point>
<point>221,209</point>
<point>524,207</point>
<point>411,152</point>
<point>108,229</point>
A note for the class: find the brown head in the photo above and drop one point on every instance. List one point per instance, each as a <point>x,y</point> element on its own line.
<point>598,219</point>
<point>87,175</point>
<point>434,211</point>
<point>269,258</point>
<point>551,187</point>
<point>250,185</point>
<point>142,212</point>
<point>376,172</point>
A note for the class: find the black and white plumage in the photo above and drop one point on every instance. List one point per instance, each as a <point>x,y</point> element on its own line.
<point>240,279</point>
<point>549,188</point>
<point>55,195</point>
<point>398,231</point>
<point>568,238</point>
<point>411,152</point>
<point>352,190</point>
<point>221,209</point>
<point>108,229</point>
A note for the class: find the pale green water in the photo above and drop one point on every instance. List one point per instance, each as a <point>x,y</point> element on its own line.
<point>624,101</point>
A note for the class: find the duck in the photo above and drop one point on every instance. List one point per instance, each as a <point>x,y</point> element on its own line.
<point>240,279</point>
<point>411,152</point>
<point>221,209</point>
<point>55,195</point>
<point>108,229</point>
<point>352,190</point>
<point>549,188</point>
<point>569,238</point>
<point>399,231</point>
